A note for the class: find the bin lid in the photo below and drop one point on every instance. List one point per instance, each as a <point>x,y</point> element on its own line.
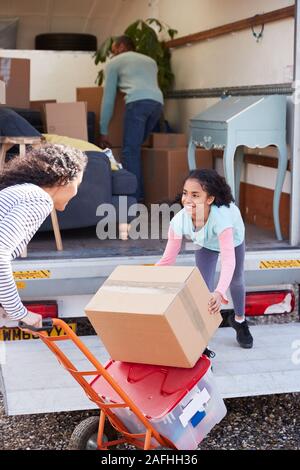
<point>155,390</point>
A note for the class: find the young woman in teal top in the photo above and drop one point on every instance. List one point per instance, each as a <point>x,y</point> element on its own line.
<point>212,221</point>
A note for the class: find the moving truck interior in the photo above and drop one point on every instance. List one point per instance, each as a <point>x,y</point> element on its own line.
<point>232,49</point>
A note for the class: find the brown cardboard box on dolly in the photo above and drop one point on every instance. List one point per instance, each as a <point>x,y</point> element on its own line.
<point>154,315</point>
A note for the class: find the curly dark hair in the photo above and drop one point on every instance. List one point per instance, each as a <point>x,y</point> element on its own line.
<point>214,185</point>
<point>46,166</point>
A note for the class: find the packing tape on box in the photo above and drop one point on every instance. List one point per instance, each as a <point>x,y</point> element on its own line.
<point>193,312</point>
<point>180,288</point>
<point>139,287</point>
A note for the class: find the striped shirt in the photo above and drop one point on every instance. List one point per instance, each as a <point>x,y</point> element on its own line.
<point>23,209</point>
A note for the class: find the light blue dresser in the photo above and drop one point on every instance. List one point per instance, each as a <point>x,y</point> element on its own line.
<point>235,122</point>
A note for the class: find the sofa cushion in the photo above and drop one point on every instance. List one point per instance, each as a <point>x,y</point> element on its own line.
<point>10,126</point>
<point>94,190</point>
<point>123,182</point>
<point>34,117</point>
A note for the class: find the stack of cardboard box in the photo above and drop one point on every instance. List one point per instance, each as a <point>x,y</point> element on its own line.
<point>164,156</point>
<point>154,315</point>
<point>67,119</point>
<point>93,96</point>
<point>165,166</point>
<point>155,324</point>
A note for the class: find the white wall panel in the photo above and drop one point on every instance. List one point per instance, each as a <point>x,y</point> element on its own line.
<point>56,75</point>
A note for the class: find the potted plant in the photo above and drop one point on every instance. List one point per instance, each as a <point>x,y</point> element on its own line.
<point>145,35</point>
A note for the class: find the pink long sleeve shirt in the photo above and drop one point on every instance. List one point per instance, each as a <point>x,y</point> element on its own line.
<point>220,233</point>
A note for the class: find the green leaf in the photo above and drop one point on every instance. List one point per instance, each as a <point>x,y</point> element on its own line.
<point>133,28</point>
<point>147,42</point>
<point>172,32</point>
<point>104,50</point>
<point>100,77</point>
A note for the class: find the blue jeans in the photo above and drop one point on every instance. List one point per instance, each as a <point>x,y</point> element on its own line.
<point>140,119</point>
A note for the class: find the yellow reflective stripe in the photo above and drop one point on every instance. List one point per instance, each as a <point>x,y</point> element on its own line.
<point>43,274</point>
<point>279,264</point>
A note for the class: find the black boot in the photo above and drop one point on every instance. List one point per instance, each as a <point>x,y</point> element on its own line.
<point>210,354</point>
<point>243,335</point>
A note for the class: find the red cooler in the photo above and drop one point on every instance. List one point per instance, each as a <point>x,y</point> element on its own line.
<point>182,404</point>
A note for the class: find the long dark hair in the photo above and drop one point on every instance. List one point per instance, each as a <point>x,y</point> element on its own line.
<point>46,166</point>
<point>214,185</point>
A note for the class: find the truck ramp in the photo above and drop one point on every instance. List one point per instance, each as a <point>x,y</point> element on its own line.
<point>32,381</point>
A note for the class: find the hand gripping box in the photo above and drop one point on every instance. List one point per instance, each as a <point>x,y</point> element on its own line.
<point>154,315</point>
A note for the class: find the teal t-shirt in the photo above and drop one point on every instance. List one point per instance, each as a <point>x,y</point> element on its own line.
<point>220,218</point>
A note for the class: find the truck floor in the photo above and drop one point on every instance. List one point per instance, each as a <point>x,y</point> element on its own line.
<point>83,243</point>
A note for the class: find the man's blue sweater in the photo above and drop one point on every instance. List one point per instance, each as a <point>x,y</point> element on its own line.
<point>135,75</point>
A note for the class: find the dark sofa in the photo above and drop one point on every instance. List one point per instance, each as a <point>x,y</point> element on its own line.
<point>100,184</point>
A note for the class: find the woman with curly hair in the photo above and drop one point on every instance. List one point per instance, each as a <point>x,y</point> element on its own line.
<point>212,221</point>
<point>31,186</point>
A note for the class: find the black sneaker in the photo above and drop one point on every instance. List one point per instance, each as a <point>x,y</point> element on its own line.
<point>209,353</point>
<point>243,335</point>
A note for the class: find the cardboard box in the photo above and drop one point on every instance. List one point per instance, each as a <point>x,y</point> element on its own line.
<point>39,105</point>
<point>93,97</point>
<point>2,92</point>
<point>164,171</point>
<point>164,140</point>
<point>147,142</point>
<point>67,119</point>
<point>16,75</point>
<point>154,315</point>
<point>256,206</point>
<point>270,151</point>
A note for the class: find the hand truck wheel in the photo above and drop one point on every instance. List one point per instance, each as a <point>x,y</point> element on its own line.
<point>84,436</point>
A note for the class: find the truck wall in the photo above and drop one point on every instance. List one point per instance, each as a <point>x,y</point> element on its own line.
<point>230,60</point>
<point>56,16</point>
<point>56,74</point>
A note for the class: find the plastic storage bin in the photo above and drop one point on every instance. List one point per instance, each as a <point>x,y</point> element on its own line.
<point>182,404</point>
